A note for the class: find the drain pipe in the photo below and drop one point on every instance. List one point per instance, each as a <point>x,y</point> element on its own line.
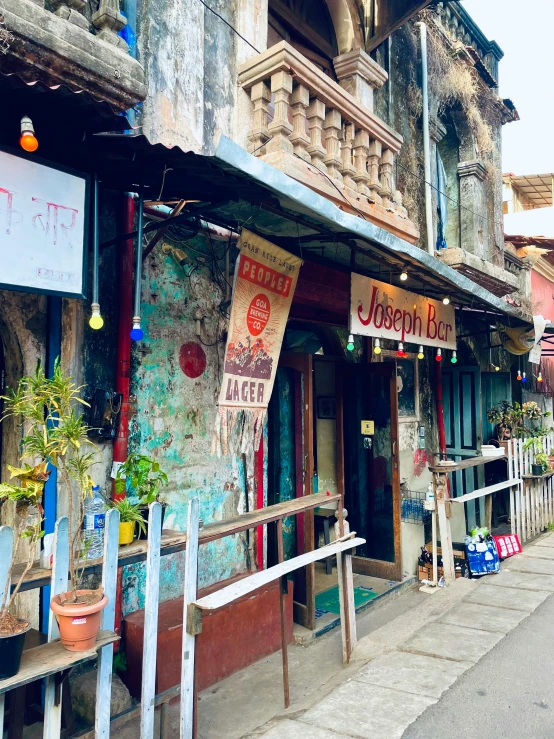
<point>426,141</point>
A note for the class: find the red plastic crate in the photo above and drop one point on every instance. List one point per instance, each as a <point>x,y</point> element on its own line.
<point>507,545</point>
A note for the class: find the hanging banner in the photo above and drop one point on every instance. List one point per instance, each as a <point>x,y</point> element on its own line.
<point>387,312</point>
<point>265,280</point>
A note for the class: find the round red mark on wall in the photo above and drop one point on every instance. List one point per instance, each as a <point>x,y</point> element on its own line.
<point>192,359</point>
<point>258,314</point>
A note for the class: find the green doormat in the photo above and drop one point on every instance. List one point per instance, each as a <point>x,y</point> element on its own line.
<point>328,600</point>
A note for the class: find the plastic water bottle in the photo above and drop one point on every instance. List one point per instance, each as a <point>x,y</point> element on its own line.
<point>93,524</point>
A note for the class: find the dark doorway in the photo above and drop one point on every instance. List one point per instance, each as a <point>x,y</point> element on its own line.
<point>371,477</point>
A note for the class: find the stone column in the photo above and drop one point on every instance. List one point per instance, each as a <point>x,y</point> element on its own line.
<point>474,228</point>
<point>361,148</point>
<point>332,126</point>
<point>109,22</point>
<point>359,75</point>
<point>260,94</point>
<point>316,116</point>
<point>385,170</point>
<point>347,169</point>
<point>375,151</point>
<point>300,100</point>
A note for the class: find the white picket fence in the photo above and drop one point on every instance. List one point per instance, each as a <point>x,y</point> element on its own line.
<point>532,501</point>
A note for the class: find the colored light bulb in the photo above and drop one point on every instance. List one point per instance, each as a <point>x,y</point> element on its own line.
<point>136,332</point>
<point>454,357</point>
<point>420,354</point>
<point>438,356</point>
<point>28,140</point>
<point>350,344</point>
<point>400,352</point>
<point>377,347</point>
<point>518,375</point>
<point>523,378</point>
<point>403,275</point>
<point>96,321</point>
<point>539,378</point>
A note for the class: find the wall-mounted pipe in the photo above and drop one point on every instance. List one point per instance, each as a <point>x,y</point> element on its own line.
<point>426,141</point>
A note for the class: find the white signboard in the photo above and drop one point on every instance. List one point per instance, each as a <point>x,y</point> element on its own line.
<point>387,312</point>
<point>42,227</point>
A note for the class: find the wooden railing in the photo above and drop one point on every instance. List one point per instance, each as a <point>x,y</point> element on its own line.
<point>532,502</point>
<point>307,125</point>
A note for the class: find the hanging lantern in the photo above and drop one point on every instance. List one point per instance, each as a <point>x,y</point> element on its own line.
<point>438,356</point>
<point>420,354</point>
<point>377,347</point>
<point>454,357</point>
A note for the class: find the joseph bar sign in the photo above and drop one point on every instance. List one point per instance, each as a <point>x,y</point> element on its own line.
<point>387,312</point>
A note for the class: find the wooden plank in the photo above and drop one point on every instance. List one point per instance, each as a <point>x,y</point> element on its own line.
<point>6,550</point>
<point>245,521</point>
<point>465,464</point>
<point>258,579</point>
<point>151,602</point>
<point>189,641</point>
<point>50,658</point>
<point>105,655</point>
<point>440,485</point>
<point>60,566</point>
<point>485,491</point>
<point>283,614</point>
<point>347,605</point>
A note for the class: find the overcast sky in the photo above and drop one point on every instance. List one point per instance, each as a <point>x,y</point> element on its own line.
<point>524,32</point>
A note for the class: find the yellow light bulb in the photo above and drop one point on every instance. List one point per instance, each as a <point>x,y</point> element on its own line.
<point>420,355</point>
<point>96,321</point>
<point>377,350</point>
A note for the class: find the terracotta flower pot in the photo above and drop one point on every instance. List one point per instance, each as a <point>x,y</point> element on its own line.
<point>551,462</point>
<point>126,532</point>
<point>78,623</point>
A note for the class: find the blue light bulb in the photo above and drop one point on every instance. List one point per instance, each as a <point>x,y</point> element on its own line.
<point>137,333</point>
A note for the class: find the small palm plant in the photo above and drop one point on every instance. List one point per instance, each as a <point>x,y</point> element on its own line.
<point>54,432</point>
<point>129,513</point>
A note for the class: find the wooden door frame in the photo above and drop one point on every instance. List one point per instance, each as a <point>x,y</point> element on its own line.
<point>366,565</point>
<point>304,614</point>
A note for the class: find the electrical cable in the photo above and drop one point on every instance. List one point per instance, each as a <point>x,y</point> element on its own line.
<point>230,26</point>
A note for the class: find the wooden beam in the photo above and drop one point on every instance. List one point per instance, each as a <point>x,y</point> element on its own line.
<point>282,606</point>
<point>465,464</point>
<point>243,587</point>
<point>189,641</point>
<point>486,491</point>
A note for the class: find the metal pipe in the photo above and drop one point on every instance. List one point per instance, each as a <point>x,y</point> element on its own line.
<point>138,269</point>
<point>426,141</point>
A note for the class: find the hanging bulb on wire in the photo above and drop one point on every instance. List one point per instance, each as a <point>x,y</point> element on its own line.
<point>95,321</point>
<point>420,354</point>
<point>350,343</point>
<point>523,378</point>
<point>438,355</point>
<point>539,378</point>
<point>518,375</point>
<point>454,357</point>
<point>377,347</point>
<point>403,275</point>
<point>136,332</point>
<point>400,352</point>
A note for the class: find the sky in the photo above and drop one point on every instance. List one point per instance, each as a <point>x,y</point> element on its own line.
<point>524,32</point>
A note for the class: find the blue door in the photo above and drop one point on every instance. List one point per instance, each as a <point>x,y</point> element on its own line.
<point>464,436</point>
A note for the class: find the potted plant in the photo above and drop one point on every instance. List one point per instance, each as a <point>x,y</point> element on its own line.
<point>27,497</point>
<point>130,515</point>
<point>144,477</point>
<point>541,463</point>
<point>551,459</point>
<point>55,432</point>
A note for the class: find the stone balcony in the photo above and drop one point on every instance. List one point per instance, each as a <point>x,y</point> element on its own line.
<point>325,134</point>
<point>66,47</point>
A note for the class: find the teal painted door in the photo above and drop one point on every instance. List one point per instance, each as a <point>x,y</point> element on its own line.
<point>463,427</point>
<point>282,455</point>
<point>495,386</point>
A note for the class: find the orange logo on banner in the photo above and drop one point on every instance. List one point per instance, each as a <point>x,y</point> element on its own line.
<point>258,314</point>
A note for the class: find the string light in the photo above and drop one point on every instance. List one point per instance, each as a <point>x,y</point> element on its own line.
<point>136,332</point>
<point>446,300</point>
<point>377,347</point>
<point>403,275</point>
<point>539,378</point>
<point>350,343</point>
<point>28,140</point>
<point>438,356</point>
<point>524,379</point>
<point>95,321</point>
<point>454,357</point>
<point>401,352</point>
<point>420,354</point>
<point>518,375</point>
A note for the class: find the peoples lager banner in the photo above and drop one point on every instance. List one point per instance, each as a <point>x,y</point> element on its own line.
<point>387,312</point>
<point>265,280</point>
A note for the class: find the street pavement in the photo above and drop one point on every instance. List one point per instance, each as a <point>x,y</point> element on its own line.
<point>508,694</point>
<point>483,666</point>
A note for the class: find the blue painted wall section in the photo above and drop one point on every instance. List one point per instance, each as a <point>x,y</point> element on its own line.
<point>176,413</point>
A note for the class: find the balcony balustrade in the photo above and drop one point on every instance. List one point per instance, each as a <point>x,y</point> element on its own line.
<point>324,134</point>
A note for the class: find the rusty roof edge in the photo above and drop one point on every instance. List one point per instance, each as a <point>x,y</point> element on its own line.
<point>309,202</point>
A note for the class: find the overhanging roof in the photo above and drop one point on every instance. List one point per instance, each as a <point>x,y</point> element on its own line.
<point>234,189</point>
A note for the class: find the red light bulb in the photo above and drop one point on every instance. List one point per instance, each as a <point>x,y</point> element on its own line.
<point>438,356</point>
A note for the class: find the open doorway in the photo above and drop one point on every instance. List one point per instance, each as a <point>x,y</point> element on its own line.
<point>316,444</point>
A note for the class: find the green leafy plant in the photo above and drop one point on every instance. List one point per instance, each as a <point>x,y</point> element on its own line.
<point>145,477</point>
<point>54,431</point>
<point>129,513</point>
<point>542,459</point>
<point>509,419</point>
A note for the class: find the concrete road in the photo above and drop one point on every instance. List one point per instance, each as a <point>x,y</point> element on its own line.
<point>508,694</point>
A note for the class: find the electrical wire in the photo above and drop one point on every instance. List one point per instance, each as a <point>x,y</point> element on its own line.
<point>230,26</point>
